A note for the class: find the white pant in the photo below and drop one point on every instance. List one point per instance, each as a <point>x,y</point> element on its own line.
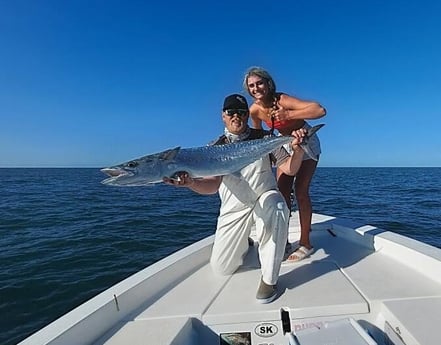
<point>271,216</point>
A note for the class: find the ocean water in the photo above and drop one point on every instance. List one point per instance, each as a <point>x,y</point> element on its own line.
<point>64,237</point>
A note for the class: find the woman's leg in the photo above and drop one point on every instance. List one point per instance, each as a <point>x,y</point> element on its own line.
<point>302,184</point>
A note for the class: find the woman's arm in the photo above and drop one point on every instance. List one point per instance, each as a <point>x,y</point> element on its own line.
<point>291,165</point>
<point>292,108</point>
<point>256,121</point>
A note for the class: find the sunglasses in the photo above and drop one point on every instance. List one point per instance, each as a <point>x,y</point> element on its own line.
<point>240,112</point>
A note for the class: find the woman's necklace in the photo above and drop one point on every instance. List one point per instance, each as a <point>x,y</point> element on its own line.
<point>269,107</point>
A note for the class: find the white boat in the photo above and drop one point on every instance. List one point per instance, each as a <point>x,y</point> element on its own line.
<point>362,285</point>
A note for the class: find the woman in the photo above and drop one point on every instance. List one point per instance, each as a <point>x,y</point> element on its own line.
<point>286,113</point>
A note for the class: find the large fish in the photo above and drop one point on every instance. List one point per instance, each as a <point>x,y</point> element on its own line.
<point>213,160</point>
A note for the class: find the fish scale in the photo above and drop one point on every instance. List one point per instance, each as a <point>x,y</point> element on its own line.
<point>213,160</point>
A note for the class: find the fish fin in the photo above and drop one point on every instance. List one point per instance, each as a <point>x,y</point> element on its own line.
<point>169,154</point>
<point>313,130</point>
<point>305,143</point>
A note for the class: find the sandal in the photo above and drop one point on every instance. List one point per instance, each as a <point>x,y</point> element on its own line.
<point>300,253</point>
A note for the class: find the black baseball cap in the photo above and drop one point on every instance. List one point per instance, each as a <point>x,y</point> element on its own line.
<point>235,101</point>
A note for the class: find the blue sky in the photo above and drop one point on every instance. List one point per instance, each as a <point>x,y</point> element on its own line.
<point>94,83</point>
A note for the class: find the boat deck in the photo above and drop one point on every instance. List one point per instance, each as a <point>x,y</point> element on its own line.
<point>361,283</point>
<point>351,274</point>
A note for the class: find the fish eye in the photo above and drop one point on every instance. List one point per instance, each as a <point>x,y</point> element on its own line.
<point>132,164</point>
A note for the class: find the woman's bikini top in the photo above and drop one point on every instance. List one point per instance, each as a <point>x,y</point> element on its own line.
<point>278,124</point>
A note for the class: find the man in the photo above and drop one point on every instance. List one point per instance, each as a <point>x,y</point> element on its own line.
<point>249,197</point>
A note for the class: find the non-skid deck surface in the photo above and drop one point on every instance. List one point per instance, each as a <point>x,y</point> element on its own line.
<point>307,290</point>
<point>343,277</point>
<point>315,287</point>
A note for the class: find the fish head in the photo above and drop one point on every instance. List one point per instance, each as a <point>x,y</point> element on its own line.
<point>140,171</point>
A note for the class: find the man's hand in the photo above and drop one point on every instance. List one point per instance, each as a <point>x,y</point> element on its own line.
<point>298,135</point>
<point>180,179</point>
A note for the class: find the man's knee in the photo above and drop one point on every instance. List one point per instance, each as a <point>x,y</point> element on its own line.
<point>223,264</point>
<point>222,269</point>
